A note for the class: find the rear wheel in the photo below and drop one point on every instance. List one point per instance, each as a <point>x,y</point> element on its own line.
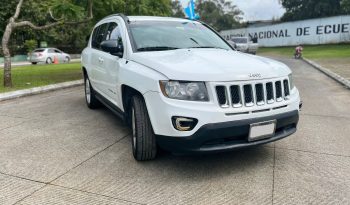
<point>34,63</point>
<point>144,145</point>
<point>48,61</point>
<point>66,60</point>
<point>91,100</point>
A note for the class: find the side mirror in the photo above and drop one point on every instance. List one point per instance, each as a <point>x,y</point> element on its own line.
<point>113,47</point>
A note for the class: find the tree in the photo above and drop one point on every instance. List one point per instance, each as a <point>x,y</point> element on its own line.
<point>307,9</point>
<point>30,45</point>
<point>345,5</point>
<point>59,11</point>
<point>177,10</point>
<point>220,14</point>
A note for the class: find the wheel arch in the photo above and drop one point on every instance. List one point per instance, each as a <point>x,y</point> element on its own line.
<point>84,71</point>
<point>127,93</point>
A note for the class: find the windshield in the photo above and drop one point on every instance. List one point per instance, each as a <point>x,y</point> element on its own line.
<point>240,40</point>
<point>168,35</point>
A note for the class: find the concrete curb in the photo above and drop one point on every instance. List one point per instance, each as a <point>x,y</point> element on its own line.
<point>38,90</point>
<point>329,73</point>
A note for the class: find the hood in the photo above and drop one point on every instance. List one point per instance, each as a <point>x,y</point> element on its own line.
<point>210,65</point>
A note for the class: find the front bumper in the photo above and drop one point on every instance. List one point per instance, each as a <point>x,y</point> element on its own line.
<point>225,136</point>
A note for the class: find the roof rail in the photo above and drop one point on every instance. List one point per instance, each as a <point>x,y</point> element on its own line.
<point>125,18</point>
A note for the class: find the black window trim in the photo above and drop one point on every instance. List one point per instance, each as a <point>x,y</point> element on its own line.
<point>126,21</point>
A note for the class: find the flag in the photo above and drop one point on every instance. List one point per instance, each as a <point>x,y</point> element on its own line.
<point>190,11</point>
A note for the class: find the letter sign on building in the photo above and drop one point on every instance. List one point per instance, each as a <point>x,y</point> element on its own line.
<point>313,31</point>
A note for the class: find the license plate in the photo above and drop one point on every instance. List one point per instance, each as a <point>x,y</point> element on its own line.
<point>262,130</point>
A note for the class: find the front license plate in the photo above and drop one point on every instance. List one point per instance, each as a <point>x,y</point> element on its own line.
<point>262,130</point>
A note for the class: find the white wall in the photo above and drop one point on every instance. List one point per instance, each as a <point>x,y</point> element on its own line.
<point>313,31</point>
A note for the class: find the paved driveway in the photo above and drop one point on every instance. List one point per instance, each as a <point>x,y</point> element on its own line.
<point>53,150</point>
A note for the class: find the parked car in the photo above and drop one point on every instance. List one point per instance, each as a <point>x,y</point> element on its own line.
<point>48,55</point>
<point>244,45</point>
<point>181,87</point>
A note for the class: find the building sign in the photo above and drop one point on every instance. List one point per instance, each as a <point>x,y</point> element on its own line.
<point>43,44</point>
<point>313,31</point>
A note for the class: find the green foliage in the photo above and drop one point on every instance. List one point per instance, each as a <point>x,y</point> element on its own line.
<point>30,45</point>
<point>306,9</point>
<point>6,11</point>
<point>345,5</point>
<point>220,14</point>
<point>66,10</point>
<point>177,9</point>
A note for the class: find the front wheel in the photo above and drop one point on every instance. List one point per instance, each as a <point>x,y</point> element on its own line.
<point>66,60</point>
<point>144,145</point>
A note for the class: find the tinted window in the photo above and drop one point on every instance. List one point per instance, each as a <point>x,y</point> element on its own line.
<point>57,51</point>
<point>113,33</point>
<point>50,50</point>
<point>39,50</point>
<point>99,35</point>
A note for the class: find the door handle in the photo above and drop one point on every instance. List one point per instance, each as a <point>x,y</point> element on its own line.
<point>100,60</point>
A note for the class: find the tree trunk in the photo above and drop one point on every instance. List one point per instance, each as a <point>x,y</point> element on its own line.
<point>7,55</point>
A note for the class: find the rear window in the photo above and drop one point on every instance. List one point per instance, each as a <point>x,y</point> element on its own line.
<point>39,50</point>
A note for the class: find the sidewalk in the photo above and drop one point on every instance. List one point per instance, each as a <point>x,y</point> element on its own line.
<point>340,66</point>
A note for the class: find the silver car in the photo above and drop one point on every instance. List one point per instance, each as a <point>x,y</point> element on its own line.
<point>244,45</point>
<point>48,56</point>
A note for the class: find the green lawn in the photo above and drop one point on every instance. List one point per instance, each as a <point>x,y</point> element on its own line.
<point>312,52</point>
<point>39,75</point>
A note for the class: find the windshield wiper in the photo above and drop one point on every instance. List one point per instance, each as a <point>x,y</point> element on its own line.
<point>156,48</point>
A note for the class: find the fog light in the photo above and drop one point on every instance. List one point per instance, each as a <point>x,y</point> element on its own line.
<point>184,123</point>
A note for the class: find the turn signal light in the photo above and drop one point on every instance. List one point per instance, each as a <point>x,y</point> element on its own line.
<point>184,123</point>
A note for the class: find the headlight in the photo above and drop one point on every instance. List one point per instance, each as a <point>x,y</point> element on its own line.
<point>193,91</point>
<point>291,83</point>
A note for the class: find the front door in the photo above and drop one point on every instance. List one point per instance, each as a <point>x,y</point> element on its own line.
<point>112,64</point>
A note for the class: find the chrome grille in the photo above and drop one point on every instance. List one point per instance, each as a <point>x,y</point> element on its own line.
<point>259,92</point>
<point>248,95</point>
<point>252,94</point>
<point>286,88</point>
<point>278,87</point>
<point>235,96</point>
<point>269,93</point>
<point>221,95</point>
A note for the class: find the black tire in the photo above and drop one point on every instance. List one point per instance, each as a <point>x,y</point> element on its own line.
<point>91,101</point>
<point>143,142</point>
<point>67,60</point>
<point>34,63</point>
<point>48,61</point>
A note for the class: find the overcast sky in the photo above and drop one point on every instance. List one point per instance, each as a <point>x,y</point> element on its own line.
<point>256,9</point>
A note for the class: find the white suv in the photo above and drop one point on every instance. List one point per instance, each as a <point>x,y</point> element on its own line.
<point>181,87</point>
